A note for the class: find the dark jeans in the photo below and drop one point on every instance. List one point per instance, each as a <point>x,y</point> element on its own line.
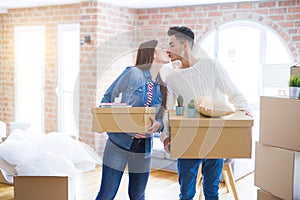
<point>211,172</point>
<point>115,160</point>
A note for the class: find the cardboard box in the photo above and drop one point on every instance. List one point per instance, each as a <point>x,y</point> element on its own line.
<point>279,122</point>
<point>264,195</point>
<point>122,119</point>
<point>277,171</point>
<point>44,187</point>
<point>295,70</point>
<point>84,186</point>
<point>204,137</point>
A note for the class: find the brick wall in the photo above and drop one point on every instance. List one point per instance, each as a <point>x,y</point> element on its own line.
<point>282,17</point>
<point>1,74</point>
<point>50,16</point>
<point>115,33</point>
<point>112,26</point>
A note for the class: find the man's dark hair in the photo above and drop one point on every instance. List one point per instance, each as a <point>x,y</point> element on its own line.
<point>182,33</point>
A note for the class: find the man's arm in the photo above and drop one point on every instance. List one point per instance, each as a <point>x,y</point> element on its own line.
<point>225,84</point>
<point>170,104</point>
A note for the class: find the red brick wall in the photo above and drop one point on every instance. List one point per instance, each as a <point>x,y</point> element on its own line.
<point>107,24</point>
<point>1,74</point>
<point>279,16</point>
<point>116,31</point>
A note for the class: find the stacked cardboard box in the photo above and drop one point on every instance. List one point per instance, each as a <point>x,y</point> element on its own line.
<point>264,195</point>
<point>277,160</point>
<point>295,70</point>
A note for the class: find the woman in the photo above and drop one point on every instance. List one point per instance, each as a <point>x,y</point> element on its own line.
<point>134,148</point>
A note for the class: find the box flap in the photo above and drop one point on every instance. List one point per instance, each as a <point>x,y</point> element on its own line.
<point>237,119</point>
<point>130,110</point>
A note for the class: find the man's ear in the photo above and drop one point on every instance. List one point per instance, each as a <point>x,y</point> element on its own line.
<point>186,45</point>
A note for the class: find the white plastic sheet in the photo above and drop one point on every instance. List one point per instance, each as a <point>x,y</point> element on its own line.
<point>53,154</point>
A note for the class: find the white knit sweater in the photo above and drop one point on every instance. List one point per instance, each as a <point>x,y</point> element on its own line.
<point>204,78</point>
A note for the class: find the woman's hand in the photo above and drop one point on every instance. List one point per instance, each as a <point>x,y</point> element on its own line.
<point>153,129</point>
<point>140,135</point>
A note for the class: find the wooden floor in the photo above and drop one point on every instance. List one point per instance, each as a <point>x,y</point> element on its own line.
<point>162,185</point>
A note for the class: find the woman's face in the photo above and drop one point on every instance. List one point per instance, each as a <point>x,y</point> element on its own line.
<point>160,55</point>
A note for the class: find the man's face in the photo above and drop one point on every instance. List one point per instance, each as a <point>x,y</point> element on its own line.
<point>175,49</point>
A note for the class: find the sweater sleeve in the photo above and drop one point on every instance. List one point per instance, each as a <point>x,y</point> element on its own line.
<point>225,84</point>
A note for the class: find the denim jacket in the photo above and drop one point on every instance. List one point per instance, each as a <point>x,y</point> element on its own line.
<point>133,85</point>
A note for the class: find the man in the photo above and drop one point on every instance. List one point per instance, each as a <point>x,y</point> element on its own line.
<point>197,77</point>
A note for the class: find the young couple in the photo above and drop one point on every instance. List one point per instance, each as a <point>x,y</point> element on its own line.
<point>141,86</point>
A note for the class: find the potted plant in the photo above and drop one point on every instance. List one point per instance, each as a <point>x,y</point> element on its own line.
<point>294,86</point>
<point>179,107</point>
<point>191,109</point>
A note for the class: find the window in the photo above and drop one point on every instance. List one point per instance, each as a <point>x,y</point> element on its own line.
<point>255,58</point>
<point>68,71</point>
<point>29,63</point>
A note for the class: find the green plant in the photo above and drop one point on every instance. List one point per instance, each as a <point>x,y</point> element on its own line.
<point>298,81</point>
<point>294,81</point>
<point>180,101</point>
<point>191,104</point>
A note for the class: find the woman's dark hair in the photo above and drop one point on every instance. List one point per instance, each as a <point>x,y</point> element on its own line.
<point>144,59</point>
<point>145,54</point>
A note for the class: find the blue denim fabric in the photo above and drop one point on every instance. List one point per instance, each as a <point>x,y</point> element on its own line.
<point>211,172</point>
<point>114,163</point>
<point>133,84</point>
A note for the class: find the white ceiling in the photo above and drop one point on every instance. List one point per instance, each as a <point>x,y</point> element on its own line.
<point>138,4</point>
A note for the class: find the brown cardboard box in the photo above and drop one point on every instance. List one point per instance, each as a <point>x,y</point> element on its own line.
<point>58,187</point>
<point>204,137</point>
<point>122,119</point>
<point>279,122</point>
<point>277,171</point>
<point>295,70</point>
<point>44,187</point>
<point>264,195</point>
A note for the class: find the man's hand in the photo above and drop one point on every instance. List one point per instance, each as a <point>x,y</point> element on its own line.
<point>248,113</point>
<point>167,145</point>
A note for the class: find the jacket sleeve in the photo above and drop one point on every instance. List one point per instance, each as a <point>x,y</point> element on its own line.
<point>117,87</point>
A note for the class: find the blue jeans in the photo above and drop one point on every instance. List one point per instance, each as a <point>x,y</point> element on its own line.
<point>211,172</point>
<point>115,160</point>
